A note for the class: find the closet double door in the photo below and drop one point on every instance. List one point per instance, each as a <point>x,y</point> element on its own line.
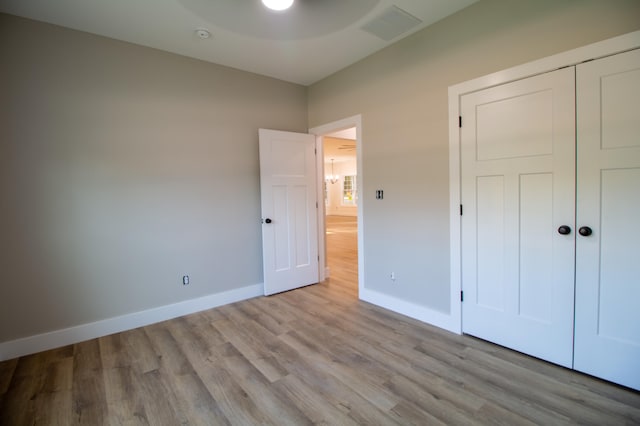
<point>550,186</point>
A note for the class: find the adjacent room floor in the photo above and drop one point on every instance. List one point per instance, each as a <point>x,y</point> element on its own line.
<point>342,252</point>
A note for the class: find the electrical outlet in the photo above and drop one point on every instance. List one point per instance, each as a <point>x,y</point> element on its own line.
<point>185,280</point>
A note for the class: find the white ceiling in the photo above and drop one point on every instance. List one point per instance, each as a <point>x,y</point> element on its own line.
<point>339,149</point>
<point>310,41</point>
<point>349,133</point>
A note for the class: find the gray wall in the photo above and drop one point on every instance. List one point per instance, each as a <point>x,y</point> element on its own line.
<point>401,93</point>
<point>123,168</point>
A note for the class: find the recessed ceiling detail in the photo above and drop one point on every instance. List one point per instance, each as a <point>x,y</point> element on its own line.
<point>391,23</point>
<point>304,20</point>
<point>304,44</point>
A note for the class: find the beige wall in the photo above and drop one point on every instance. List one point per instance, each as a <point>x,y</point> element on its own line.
<point>401,93</point>
<point>123,168</point>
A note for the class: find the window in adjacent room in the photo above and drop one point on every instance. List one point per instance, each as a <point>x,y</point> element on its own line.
<point>349,193</point>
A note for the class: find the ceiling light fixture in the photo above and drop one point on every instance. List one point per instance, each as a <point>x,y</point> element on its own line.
<point>278,4</point>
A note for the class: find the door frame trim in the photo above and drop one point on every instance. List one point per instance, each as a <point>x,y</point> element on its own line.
<point>320,132</point>
<point>572,57</point>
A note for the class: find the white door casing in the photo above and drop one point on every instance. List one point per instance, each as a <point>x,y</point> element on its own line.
<point>517,188</point>
<point>607,332</point>
<point>288,197</point>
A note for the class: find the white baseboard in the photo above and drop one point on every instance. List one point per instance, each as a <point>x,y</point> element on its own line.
<point>68,336</point>
<point>430,316</point>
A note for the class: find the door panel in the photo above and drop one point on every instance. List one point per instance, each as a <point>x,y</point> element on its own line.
<point>518,187</point>
<point>520,126</point>
<point>302,228</point>
<point>281,243</point>
<point>619,91</point>
<point>536,261</point>
<point>490,289</point>
<point>619,264</point>
<point>607,332</point>
<point>288,194</point>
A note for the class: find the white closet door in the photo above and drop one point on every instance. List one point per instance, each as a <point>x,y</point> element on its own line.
<point>607,331</point>
<point>518,188</point>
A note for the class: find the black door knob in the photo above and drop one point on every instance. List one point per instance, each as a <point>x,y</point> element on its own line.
<point>564,230</point>
<point>267,220</point>
<point>585,231</point>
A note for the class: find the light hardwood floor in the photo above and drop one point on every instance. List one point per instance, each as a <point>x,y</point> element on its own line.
<point>315,355</point>
<point>342,253</point>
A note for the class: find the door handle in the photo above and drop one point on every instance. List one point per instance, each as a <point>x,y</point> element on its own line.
<point>564,230</point>
<point>585,231</point>
<point>267,220</point>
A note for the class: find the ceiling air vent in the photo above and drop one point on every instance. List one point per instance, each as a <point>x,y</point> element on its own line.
<point>392,22</point>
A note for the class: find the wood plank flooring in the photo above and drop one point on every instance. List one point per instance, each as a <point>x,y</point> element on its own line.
<point>315,355</point>
<point>342,253</point>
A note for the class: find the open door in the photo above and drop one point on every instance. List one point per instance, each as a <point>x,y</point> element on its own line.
<point>289,216</point>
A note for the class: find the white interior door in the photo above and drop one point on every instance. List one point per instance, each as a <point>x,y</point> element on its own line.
<point>518,188</point>
<point>607,330</point>
<point>290,224</point>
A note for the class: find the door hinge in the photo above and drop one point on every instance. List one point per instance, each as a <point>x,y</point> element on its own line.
<point>460,121</point>
<point>461,296</point>
<point>460,209</point>
<point>316,204</point>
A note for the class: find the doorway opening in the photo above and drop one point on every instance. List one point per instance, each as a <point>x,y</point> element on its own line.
<point>340,182</point>
<point>341,209</point>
